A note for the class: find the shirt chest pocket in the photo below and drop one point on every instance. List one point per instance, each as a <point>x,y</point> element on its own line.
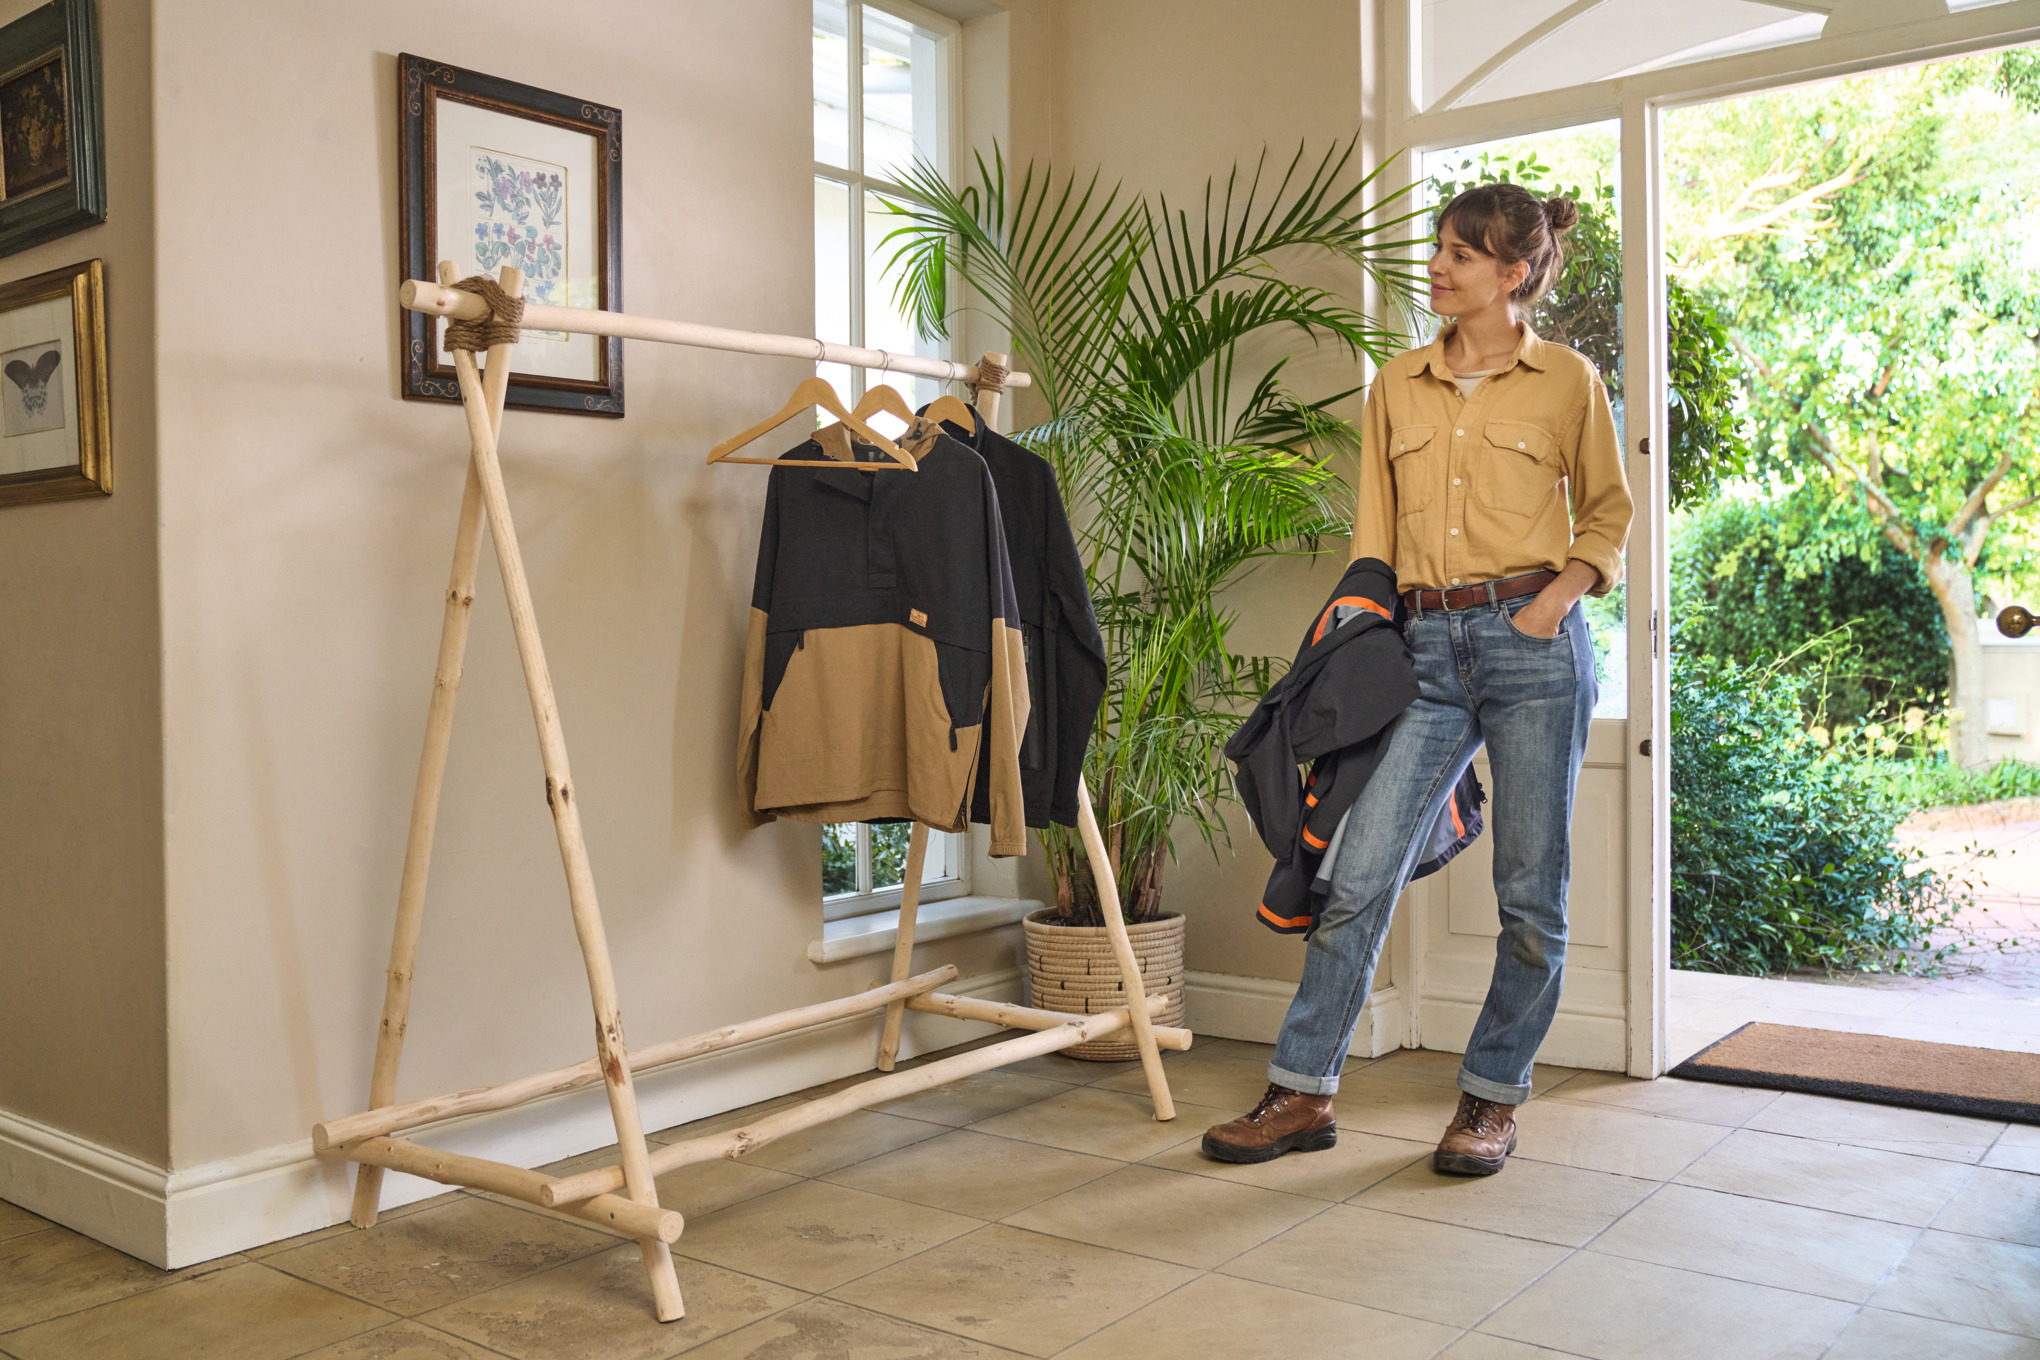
<point>1413,454</point>
<point>1516,468</point>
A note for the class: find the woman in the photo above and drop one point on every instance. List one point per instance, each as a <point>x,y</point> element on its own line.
<point>1491,479</point>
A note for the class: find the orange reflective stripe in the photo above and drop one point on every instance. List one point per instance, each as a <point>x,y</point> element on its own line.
<point>1361,600</point>
<point>1312,841</point>
<point>1289,921</point>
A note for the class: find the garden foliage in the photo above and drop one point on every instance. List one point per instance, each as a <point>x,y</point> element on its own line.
<point>1767,576</point>
<point>1786,853</point>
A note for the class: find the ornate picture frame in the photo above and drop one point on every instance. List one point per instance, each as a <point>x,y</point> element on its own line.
<point>491,173</point>
<point>54,430</point>
<point>52,136</point>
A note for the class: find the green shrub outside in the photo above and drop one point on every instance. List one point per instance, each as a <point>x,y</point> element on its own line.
<point>1783,853</point>
<point>1777,574</point>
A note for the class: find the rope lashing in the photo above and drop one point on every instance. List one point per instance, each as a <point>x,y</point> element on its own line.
<point>502,326</point>
<point>991,377</point>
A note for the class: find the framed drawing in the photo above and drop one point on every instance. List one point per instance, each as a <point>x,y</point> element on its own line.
<point>495,173</point>
<point>52,147</point>
<point>53,423</point>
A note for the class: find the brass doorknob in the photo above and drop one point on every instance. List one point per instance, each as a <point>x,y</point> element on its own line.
<point>2015,621</point>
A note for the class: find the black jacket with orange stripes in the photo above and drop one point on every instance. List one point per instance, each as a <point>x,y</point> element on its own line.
<point>1333,711</point>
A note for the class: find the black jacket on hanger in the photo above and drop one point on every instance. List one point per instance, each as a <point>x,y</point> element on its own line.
<point>1333,711</point>
<point>1065,652</point>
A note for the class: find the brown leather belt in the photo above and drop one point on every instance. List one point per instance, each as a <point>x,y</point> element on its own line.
<point>1465,597</point>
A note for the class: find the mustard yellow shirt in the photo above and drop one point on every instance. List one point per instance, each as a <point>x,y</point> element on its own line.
<point>1521,476</point>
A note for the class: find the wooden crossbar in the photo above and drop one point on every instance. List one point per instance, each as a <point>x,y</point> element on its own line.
<point>1076,1029</point>
<point>610,1212</point>
<point>432,1109</point>
<point>1029,1017</point>
<point>365,1138</point>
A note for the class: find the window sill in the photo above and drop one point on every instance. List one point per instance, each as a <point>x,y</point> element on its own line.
<point>880,931</point>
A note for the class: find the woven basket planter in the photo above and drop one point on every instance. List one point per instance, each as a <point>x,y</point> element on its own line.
<point>1073,969</point>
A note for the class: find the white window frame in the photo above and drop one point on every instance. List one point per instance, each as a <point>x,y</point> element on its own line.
<point>947,872</point>
<point>853,176</point>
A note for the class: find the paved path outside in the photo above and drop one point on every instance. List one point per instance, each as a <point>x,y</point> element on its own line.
<point>1988,995</point>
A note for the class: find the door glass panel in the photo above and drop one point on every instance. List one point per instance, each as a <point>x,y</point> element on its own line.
<point>1584,309</point>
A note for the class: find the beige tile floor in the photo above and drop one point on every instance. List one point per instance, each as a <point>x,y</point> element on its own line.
<point>1038,1211</point>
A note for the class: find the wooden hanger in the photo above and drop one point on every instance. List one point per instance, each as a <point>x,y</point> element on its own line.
<point>817,392</point>
<point>888,399</point>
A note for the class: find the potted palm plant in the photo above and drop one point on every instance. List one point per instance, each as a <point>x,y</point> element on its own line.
<point>1181,467</point>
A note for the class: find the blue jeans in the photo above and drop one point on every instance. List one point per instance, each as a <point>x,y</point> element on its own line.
<point>1479,679</point>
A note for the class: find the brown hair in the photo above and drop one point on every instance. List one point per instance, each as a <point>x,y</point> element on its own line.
<point>1513,225</point>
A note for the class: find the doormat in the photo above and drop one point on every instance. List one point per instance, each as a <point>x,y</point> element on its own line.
<point>1950,1078</point>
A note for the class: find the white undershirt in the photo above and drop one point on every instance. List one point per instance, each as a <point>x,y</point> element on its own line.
<point>1468,381</point>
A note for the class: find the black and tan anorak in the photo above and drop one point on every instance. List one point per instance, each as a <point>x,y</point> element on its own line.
<point>884,667</point>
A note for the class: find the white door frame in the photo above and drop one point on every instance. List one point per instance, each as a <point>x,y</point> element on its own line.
<point>1393,123</point>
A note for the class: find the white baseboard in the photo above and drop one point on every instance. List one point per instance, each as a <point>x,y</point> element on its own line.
<point>178,1218</point>
<point>1231,1006</point>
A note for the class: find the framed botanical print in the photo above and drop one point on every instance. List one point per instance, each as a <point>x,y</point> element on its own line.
<point>495,173</point>
<point>52,145</point>
<point>53,412</point>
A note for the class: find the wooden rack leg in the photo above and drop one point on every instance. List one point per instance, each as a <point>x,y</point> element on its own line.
<point>903,945</point>
<point>453,633</point>
<point>1129,966</point>
<point>560,796</point>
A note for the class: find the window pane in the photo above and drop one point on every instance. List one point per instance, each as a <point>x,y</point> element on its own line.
<point>885,325</point>
<point>902,95</point>
<point>889,854</point>
<point>832,274</point>
<point>839,858</point>
<point>832,83</point>
<point>1584,310</point>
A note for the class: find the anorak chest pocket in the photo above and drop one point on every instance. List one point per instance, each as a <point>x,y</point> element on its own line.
<point>1413,457</point>
<point>1516,468</point>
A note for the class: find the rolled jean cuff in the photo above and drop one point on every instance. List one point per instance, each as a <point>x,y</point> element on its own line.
<point>1310,1086</point>
<point>1492,1090</point>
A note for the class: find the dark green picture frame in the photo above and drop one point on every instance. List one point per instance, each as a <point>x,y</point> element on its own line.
<point>67,30</point>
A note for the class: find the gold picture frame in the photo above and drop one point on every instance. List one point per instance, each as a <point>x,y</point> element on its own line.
<point>55,442</point>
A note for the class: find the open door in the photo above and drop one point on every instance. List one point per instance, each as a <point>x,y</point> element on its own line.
<point>1577,89</point>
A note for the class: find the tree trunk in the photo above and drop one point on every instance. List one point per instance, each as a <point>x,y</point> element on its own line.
<point>1956,594</point>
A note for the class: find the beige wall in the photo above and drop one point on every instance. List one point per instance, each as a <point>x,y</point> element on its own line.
<point>1164,95</point>
<point>307,524</point>
<point>81,804</point>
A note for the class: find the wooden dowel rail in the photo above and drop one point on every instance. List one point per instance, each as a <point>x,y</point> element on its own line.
<point>1076,1030</point>
<point>480,1099</point>
<point>1029,1017</point>
<point>439,300</point>
<point>612,1212</point>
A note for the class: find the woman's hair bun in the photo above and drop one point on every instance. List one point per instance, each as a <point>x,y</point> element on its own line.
<point>1562,213</point>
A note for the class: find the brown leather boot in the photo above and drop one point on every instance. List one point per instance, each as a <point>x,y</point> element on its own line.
<point>1284,1121</point>
<point>1478,1140</point>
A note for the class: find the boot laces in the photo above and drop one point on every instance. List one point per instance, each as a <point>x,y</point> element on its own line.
<point>1270,1102</point>
<point>1476,1116</point>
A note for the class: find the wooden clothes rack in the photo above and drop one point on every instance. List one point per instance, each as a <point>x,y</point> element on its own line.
<point>621,1198</point>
